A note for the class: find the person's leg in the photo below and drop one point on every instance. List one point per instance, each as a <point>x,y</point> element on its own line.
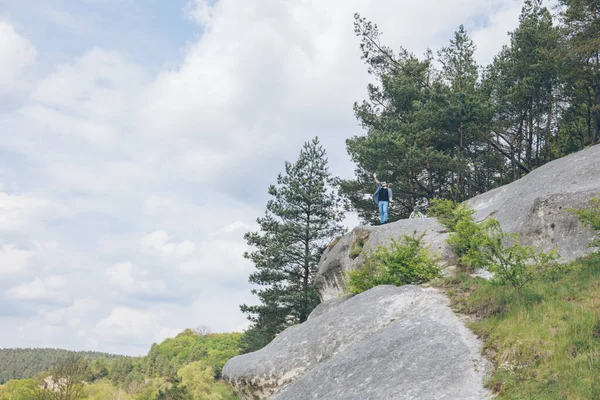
<point>385,211</point>
<point>381,212</point>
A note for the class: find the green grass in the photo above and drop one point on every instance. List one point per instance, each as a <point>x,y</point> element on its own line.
<point>547,348</point>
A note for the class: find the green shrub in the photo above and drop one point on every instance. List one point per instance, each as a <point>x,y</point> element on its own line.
<point>468,238</point>
<point>514,263</point>
<point>405,261</point>
<point>591,217</point>
<point>485,245</point>
<point>469,242</point>
<point>449,213</point>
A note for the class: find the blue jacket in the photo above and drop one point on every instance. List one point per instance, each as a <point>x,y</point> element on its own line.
<point>376,194</point>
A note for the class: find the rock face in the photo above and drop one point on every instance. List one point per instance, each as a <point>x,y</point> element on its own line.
<point>406,343</point>
<point>386,343</point>
<point>536,205</point>
<point>338,257</point>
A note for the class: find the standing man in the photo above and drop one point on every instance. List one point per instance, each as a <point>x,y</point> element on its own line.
<point>383,198</point>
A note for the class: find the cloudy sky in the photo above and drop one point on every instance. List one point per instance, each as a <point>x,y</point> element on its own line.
<point>138,138</point>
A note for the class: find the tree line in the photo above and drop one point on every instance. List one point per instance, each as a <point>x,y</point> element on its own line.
<point>27,363</point>
<point>185,367</point>
<point>441,126</point>
<point>438,126</point>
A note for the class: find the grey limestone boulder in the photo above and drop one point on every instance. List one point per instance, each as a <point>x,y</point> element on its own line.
<point>405,342</point>
<point>338,258</point>
<point>536,205</point>
<point>386,343</point>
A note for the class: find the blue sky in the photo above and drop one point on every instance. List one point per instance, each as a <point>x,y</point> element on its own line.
<point>138,139</point>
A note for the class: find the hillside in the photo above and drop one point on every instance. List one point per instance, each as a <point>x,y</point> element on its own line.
<point>537,324</point>
<point>27,363</point>
<point>197,359</point>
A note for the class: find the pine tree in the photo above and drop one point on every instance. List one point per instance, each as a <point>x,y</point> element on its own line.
<point>580,58</point>
<point>302,217</point>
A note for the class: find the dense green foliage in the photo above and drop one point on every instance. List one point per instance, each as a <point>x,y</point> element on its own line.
<point>303,216</point>
<point>211,349</point>
<point>468,238</point>
<point>485,245</point>
<point>459,130</point>
<point>549,346</point>
<point>24,389</point>
<point>194,358</point>
<point>515,264</point>
<point>27,363</point>
<point>403,262</point>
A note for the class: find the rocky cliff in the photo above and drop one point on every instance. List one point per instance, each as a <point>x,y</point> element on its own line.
<point>406,343</point>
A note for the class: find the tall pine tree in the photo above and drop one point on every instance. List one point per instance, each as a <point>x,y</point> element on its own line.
<point>304,214</point>
<point>580,59</point>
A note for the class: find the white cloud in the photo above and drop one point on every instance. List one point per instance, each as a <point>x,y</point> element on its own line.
<point>112,160</point>
<point>218,258</point>
<point>159,243</point>
<point>48,289</point>
<point>25,211</point>
<point>13,260</point>
<point>128,278</point>
<point>69,316</point>
<point>125,323</point>
<point>16,54</point>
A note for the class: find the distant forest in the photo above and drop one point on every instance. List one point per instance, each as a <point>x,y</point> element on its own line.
<point>27,363</point>
<point>188,365</point>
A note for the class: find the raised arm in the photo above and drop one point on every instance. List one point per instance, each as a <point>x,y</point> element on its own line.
<point>375,177</point>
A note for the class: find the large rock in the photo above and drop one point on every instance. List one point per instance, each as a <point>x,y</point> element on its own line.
<point>406,343</point>
<point>536,205</point>
<point>386,343</point>
<point>340,256</point>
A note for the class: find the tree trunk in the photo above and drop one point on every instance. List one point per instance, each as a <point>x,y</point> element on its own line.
<point>529,146</point>
<point>548,132</point>
<point>596,115</point>
<point>304,310</point>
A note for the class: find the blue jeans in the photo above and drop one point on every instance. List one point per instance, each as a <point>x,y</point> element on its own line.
<point>383,211</point>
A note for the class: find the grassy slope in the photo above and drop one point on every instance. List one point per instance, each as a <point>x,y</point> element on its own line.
<point>549,348</point>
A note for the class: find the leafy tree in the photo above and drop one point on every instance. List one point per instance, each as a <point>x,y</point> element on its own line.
<point>66,380</point>
<point>175,391</point>
<point>301,218</point>
<point>25,389</point>
<point>27,363</point>
<point>199,379</point>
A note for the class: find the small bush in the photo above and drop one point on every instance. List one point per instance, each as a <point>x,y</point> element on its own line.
<point>359,242</point>
<point>449,213</point>
<point>468,238</point>
<point>405,261</point>
<point>515,264</point>
<point>485,245</point>
<point>591,217</point>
